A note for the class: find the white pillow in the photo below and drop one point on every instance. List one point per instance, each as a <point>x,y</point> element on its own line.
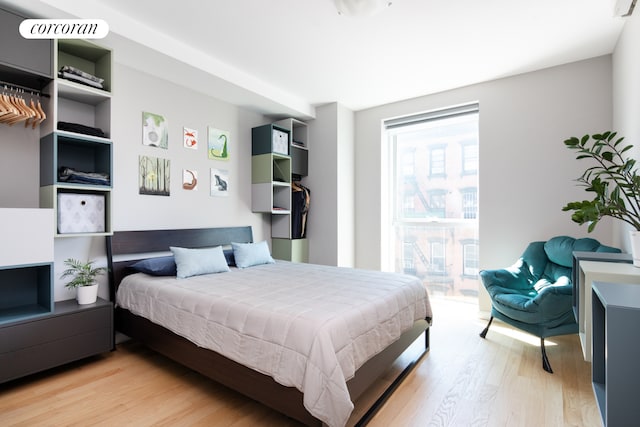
<point>250,254</point>
<point>194,262</point>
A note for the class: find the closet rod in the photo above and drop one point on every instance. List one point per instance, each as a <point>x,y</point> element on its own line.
<point>28,89</point>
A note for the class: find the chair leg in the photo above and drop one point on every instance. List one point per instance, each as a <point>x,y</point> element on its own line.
<point>483,334</point>
<point>545,361</point>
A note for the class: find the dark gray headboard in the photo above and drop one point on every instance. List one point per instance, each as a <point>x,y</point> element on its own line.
<point>147,241</point>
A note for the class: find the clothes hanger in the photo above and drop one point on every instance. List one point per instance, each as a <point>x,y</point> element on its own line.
<point>22,113</point>
<point>14,107</point>
<point>10,111</point>
<point>37,117</point>
<point>43,115</point>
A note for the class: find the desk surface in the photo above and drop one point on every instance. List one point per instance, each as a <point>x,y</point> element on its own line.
<point>609,268</point>
<point>618,294</point>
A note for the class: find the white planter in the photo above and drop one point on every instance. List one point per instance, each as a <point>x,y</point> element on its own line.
<point>87,294</point>
<point>634,236</point>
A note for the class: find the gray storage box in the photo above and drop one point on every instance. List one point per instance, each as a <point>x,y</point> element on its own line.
<point>81,213</point>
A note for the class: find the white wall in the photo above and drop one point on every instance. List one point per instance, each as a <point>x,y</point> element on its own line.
<point>346,187</point>
<point>526,172</point>
<point>330,226</point>
<point>322,220</point>
<point>135,92</point>
<point>626,98</point>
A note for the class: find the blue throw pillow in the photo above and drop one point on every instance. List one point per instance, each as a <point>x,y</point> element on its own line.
<point>194,262</point>
<point>250,254</point>
<point>160,266</point>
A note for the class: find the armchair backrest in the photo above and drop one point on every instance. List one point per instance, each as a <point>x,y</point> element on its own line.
<point>554,258</point>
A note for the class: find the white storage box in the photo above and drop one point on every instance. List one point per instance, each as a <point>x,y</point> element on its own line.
<point>81,213</point>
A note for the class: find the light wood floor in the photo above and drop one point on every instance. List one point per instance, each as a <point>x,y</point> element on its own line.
<point>463,381</point>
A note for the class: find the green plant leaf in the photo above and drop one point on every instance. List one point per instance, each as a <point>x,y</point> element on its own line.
<point>612,179</point>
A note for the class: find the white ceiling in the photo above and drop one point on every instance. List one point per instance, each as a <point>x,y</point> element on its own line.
<point>291,55</point>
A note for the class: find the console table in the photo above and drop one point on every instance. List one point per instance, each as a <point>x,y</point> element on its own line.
<point>616,351</point>
<point>591,271</point>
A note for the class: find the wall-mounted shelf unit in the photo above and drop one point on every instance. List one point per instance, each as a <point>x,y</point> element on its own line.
<point>77,137</point>
<point>37,333</point>
<point>274,167</point>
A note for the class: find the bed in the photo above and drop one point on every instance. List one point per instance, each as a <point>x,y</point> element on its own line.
<point>291,366</point>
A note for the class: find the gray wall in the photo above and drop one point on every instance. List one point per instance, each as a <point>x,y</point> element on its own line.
<point>526,173</point>
<point>19,166</point>
<point>626,99</point>
<point>134,92</point>
<point>331,181</point>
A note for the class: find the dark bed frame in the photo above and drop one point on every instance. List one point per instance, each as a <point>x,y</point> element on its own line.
<point>125,245</point>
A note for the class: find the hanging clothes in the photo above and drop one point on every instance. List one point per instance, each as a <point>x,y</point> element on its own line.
<point>300,201</point>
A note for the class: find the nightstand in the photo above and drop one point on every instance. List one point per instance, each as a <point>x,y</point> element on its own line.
<point>71,332</point>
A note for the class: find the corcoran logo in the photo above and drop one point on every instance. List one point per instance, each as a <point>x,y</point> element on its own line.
<point>64,29</point>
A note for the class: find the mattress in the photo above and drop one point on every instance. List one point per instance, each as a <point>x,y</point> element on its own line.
<point>307,326</point>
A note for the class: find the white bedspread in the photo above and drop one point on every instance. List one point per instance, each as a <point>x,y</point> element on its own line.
<point>308,326</point>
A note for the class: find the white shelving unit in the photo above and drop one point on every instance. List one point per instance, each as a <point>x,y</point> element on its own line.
<point>84,105</point>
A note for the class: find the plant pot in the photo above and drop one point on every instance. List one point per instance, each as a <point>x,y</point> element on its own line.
<point>634,236</point>
<point>87,294</point>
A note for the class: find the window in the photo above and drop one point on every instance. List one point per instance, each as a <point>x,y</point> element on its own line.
<point>407,258</point>
<point>409,162</point>
<point>437,162</point>
<point>433,194</point>
<point>469,158</point>
<point>437,203</point>
<point>470,257</point>
<point>469,203</point>
<point>438,258</point>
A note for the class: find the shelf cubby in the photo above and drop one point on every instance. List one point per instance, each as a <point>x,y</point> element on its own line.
<point>271,184</point>
<point>49,198</point>
<point>26,291</point>
<point>83,154</point>
<point>86,56</point>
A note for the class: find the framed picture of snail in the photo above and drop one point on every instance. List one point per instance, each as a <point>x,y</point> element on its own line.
<point>189,179</point>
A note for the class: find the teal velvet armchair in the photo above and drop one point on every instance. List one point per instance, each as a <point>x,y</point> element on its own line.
<point>535,294</point>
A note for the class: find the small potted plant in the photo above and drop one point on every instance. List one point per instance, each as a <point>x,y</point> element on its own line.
<point>84,279</point>
<point>613,180</point>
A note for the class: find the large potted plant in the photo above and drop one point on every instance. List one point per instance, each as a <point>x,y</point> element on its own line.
<point>84,279</point>
<point>614,181</point>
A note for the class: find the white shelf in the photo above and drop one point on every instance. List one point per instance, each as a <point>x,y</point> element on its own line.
<point>81,93</point>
